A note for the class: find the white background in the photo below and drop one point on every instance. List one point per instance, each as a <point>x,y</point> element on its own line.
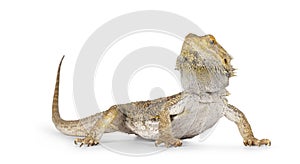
<point>262,37</point>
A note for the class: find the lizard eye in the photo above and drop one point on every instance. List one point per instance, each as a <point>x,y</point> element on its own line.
<point>212,41</point>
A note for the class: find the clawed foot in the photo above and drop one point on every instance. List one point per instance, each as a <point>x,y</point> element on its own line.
<point>168,141</point>
<point>88,140</point>
<point>256,142</point>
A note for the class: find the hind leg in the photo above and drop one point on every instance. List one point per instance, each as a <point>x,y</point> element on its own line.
<point>101,125</point>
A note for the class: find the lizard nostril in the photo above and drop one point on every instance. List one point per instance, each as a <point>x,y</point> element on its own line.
<point>225,61</point>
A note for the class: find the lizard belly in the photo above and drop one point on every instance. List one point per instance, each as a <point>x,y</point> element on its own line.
<point>146,129</point>
<point>196,119</point>
<point>190,117</point>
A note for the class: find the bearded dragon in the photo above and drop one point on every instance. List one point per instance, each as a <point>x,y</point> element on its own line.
<point>205,70</point>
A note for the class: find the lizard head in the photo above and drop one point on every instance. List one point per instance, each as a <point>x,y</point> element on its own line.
<point>205,62</point>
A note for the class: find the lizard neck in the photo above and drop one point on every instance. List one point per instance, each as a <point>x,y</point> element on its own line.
<point>209,97</point>
<point>204,81</point>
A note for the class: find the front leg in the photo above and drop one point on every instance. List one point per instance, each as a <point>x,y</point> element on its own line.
<point>235,115</point>
<point>165,130</point>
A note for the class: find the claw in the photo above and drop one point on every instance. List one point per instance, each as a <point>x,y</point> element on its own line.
<point>88,141</point>
<point>157,143</point>
<point>257,142</point>
<point>168,142</point>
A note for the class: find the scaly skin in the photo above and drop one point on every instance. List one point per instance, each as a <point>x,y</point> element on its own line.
<point>205,71</point>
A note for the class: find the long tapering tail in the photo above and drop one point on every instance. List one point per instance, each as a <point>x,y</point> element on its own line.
<point>79,127</point>
<point>55,111</point>
<point>72,127</point>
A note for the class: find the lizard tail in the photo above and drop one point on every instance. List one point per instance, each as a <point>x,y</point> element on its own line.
<point>55,111</point>
<point>72,127</point>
